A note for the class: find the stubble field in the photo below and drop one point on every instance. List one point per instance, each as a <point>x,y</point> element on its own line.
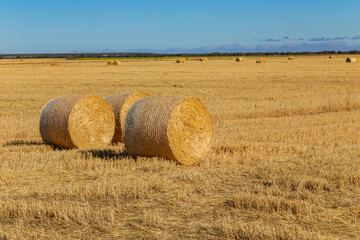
<point>285,161</point>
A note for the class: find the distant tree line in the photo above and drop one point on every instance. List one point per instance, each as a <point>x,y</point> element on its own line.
<point>71,56</point>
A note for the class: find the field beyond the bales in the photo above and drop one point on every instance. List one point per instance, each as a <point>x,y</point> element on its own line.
<point>285,161</point>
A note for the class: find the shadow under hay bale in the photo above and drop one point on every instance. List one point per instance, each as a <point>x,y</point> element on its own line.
<point>175,128</point>
<point>23,143</point>
<point>121,104</point>
<point>106,154</point>
<point>77,122</point>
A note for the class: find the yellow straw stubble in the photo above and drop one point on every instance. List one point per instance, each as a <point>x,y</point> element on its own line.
<point>77,122</point>
<point>175,128</point>
<point>121,104</point>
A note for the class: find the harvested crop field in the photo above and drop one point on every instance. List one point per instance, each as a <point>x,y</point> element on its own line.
<point>285,161</point>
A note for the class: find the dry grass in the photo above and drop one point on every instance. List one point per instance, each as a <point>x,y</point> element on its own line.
<point>285,163</point>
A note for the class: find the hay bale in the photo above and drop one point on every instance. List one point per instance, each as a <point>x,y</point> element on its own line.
<point>109,63</point>
<point>175,128</point>
<point>77,122</point>
<point>121,104</point>
<point>116,62</point>
<point>240,59</point>
<point>261,60</point>
<point>181,60</point>
<point>332,57</point>
<point>291,58</point>
<point>351,60</point>
<point>203,59</point>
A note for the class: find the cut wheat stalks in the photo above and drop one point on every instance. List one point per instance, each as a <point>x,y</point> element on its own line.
<point>121,104</point>
<point>175,128</point>
<point>77,122</point>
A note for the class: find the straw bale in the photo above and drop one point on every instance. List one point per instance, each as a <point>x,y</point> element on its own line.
<point>109,63</point>
<point>121,104</point>
<point>116,62</point>
<point>291,58</point>
<point>77,122</point>
<point>180,60</point>
<point>240,59</point>
<point>261,60</point>
<point>332,57</point>
<point>203,59</point>
<point>175,128</point>
<point>351,60</point>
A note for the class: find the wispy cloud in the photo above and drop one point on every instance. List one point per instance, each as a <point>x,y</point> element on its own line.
<point>357,37</point>
<point>268,47</point>
<point>286,38</point>
<point>323,39</point>
<point>272,40</point>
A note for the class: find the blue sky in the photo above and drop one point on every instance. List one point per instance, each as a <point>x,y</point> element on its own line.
<point>39,26</point>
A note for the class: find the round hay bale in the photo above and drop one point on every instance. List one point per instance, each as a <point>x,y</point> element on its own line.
<point>203,59</point>
<point>351,60</point>
<point>181,60</point>
<point>332,57</point>
<point>109,63</point>
<point>116,62</point>
<point>240,59</point>
<point>261,60</point>
<point>291,58</point>
<point>175,128</point>
<point>121,104</point>
<point>77,122</point>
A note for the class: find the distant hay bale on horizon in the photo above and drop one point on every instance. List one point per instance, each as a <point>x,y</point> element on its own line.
<point>291,58</point>
<point>351,60</point>
<point>77,122</point>
<point>176,128</point>
<point>109,63</point>
<point>121,104</point>
<point>116,62</point>
<point>181,60</point>
<point>240,59</point>
<point>332,57</point>
<point>203,59</point>
<point>261,60</point>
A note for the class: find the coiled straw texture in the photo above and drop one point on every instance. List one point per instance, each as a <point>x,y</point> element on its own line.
<point>121,104</point>
<point>81,122</point>
<point>178,129</point>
